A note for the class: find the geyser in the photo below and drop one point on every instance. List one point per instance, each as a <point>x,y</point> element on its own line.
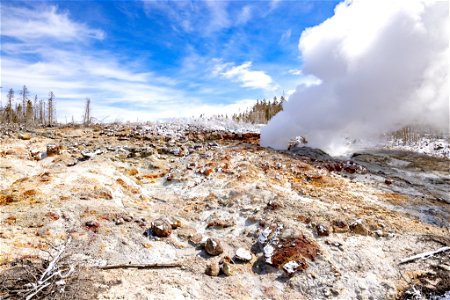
<point>382,65</point>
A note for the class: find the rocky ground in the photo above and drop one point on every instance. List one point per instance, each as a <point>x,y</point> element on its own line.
<point>221,216</point>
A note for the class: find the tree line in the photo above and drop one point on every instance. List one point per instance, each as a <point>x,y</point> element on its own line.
<point>24,110</point>
<point>261,112</point>
<point>21,109</point>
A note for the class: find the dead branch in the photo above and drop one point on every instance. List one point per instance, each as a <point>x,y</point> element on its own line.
<point>142,266</point>
<point>424,255</point>
<point>50,272</point>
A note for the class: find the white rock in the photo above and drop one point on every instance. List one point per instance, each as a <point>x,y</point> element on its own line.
<point>262,239</point>
<point>243,254</point>
<point>291,267</point>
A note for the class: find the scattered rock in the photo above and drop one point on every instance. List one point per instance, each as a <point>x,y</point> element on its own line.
<point>175,223</point>
<point>228,269</point>
<point>243,255</point>
<point>53,149</point>
<point>53,216</point>
<point>36,154</point>
<point>340,226</point>
<point>322,230</point>
<point>221,223</point>
<point>213,247</point>
<point>24,136</point>
<point>92,226</point>
<point>283,246</point>
<point>294,266</point>
<point>274,205</point>
<point>161,227</point>
<point>358,228</point>
<point>213,268</point>
<point>196,239</point>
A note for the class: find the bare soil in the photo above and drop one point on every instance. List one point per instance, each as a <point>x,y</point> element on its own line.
<point>347,222</point>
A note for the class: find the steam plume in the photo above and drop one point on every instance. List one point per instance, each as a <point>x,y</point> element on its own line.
<point>382,65</point>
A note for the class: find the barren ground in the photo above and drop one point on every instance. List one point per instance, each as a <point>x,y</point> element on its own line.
<point>347,224</point>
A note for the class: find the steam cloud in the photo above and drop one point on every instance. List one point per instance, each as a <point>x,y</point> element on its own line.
<point>382,65</point>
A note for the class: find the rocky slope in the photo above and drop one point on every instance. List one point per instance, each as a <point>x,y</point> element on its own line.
<point>304,225</point>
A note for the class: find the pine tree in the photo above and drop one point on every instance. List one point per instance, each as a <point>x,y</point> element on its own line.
<point>29,112</point>
<point>9,110</point>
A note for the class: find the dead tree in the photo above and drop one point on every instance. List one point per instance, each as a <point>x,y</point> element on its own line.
<point>87,113</point>
<point>51,109</point>
<point>35,109</point>
<point>24,92</point>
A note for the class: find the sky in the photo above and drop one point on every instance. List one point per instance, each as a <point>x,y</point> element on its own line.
<point>149,60</point>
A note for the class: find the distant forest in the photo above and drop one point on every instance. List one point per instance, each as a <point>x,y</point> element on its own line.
<point>23,110</point>
<point>261,112</point>
<point>27,111</point>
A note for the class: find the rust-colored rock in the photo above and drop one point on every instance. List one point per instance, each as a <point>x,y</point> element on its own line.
<point>294,249</point>
<point>53,150</point>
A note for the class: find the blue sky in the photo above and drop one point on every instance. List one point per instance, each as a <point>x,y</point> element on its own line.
<point>155,59</point>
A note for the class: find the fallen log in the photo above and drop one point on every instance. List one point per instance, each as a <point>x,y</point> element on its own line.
<point>424,255</point>
<point>141,266</point>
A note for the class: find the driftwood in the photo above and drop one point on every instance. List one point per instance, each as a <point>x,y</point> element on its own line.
<point>424,255</point>
<point>142,266</point>
<point>52,271</point>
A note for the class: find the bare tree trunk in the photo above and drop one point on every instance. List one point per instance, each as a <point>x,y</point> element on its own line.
<point>87,113</point>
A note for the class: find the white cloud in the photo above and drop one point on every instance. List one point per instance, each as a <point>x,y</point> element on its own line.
<point>247,77</point>
<point>244,15</point>
<point>28,25</point>
<point>77,70</point>
<point>295,71</point>
<point>285,36</point>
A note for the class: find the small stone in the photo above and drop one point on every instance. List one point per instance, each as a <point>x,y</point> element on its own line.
<point>379,233</point>
<point>213,247</point>
<point>175,223</point>
<point>87,155</point>
<point>322,230</point>
<point>127,218</point>
<point>92,225</point>
<point>196,239</point>
<point>53,150</point>
<point>292,267</point>
<point>274,205</point>
<point>220,223</point>
<point>161,227</point>
<point>228,269</point>
<point>36,154</point>
<point>133,172</point>
<point>24,136</point>
<point>213,269</point>
<point>243,255</point>
<point>388,181</point>
<point>119,221</point>
<point>358,228</point>
<point>340,226</point>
